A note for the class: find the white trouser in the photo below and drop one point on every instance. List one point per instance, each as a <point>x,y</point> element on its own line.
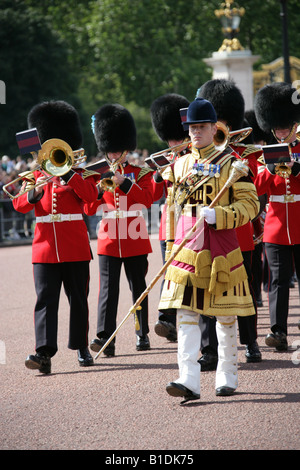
<point>189,338</point>
<point>226,374</point>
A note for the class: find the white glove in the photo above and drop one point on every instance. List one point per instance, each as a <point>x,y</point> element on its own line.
<point>208,214</point>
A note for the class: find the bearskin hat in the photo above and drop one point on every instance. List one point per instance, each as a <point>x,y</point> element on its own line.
<point>114,129</point>
<point>227,100</point>
<point>257,133</point>
<point>277,106</point>
<point>56,120</point>
<point>165,117</point>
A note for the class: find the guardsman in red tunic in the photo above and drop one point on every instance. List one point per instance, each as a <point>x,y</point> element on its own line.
<point>167,124</point>
<point>277,109</point>
<point>258,138</point>
<point>60,250</point>
<point>229,104</point>
<point>122,236</point>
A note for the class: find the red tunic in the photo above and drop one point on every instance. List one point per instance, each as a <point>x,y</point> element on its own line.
<point>159,189</point>
<point>282,220</point>
<point>251,153</point>
<point>57,242</point>
<point>122,234</point>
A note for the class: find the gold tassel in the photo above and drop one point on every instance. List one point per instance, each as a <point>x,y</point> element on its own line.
<point>136,320</point>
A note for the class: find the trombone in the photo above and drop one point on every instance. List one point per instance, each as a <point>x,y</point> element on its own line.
<point>224,136</point>
<point>107,184</point>
<point>55,158</point>
<point>166,157</point>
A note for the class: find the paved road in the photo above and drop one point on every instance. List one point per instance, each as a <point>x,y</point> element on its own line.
<point>120,403</point>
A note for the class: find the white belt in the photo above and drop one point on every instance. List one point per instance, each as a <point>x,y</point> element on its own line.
<point>121,214</point>
<point>285,198</point>
<point>58,218</point>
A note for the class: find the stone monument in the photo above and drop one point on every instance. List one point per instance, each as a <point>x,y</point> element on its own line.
<point>232,61</point>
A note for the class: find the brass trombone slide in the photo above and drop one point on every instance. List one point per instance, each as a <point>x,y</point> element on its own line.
<point>239,168</point>
<point>55,158</point>
<point>166,157</point>
<point>222,138</point>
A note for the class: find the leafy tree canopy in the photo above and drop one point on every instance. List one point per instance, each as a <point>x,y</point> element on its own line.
<point>90,52</point>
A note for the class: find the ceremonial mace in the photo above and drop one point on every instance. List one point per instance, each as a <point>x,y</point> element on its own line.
<point>239,168</point>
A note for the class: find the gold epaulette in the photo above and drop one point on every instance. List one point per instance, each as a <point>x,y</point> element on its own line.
<point>248,149</point>
<point>261,160</point>
<point>88,173</point>
<point>143,172</point>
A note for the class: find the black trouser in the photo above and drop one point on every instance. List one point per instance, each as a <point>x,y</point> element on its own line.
<point>282,260</point>
<point>169,314</point>
<point>48,279</point>
<point>247,325</point>
<point>110,270</point>
<point>257,271</point>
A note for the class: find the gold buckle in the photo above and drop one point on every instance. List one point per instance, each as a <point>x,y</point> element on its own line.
<point>289,198</point>
<point>119,214</point>
<point>56,217</point>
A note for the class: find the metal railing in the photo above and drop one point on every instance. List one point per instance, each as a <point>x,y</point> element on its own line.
<point>14,225</point>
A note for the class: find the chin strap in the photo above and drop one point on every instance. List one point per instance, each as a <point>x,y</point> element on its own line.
<point>283,141</point>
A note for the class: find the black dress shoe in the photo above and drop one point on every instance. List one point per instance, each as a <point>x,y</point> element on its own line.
<point>97,344</point>
<point>277,340</point>
<point>39,361</point>
<point>142,343</point>
<point>178,390</point>
<point>208,361</point>
<point>84,357</point>
<point>166,330</point>
<point>253,353</point>
<point>224,391</point>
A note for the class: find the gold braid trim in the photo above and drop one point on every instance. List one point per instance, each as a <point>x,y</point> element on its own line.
<point>170,223</point>
<point>248,150</point>
<point>143,172</point>
<point>88,173</point>
<point>222,279</point>
<point>227,323</point>
<point>215,276</point>
<point>168,174</point>
<point>237,301</point>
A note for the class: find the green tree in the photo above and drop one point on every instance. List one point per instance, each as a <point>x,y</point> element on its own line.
<point>129,51</point>
<point>151,45</point>
<point>261,29</point>
<point>33,61</point>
